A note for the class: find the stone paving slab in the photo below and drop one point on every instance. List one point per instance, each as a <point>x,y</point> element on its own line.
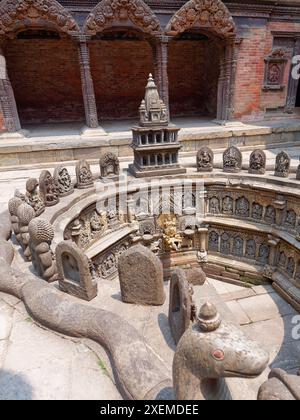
<point>239,314</point>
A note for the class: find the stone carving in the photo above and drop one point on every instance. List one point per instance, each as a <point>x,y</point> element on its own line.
<point>238,247</point>
<point>263,254</point>
<point>106,264</point>
<point>298,173</point>
<point>268,272</point>
<point>270,215</point>
<point>20,195</point>
<point>75,273</point>
<point>257,163</point>
<point>274,69</point>
<point>242,207</point>
<point>63,181</point>
<point>209,352</point>
<point>225,243</point>
<point>33,196</point>
<point>205,160</point>
<point>41,235</point>
<point>171,239</point>
<point>282,167</point>
<point>290,219</point>
<point>227,205</point>
<point>13,12</point>
<point>211,14</point>
<point>48,189</point>
<point>282,259</point>
<point>213,241</point>
<point>141,277</point>
<point>153,111</point>
<point>290,266</point>
<point>25,214</point>
<point>280,386</point>
<point>84,175</point>
<point>109,166</point>
<point>232,160</point>
<point>250,249</point>
<point>182,309</point>
<point>13,205</point>
<point>257,211</point>
<point>109,11</point>
<point>214,205</point>
<point>147,227</point>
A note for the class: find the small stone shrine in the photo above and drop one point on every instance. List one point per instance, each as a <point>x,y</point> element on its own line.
<point>155,139</point>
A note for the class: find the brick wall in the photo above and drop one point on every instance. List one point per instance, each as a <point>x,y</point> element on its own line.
<point>193,77</point>
<point>120,69</point>
<point>46,80</point>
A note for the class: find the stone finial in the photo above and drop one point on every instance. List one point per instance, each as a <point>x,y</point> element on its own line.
<point>209,319</point>
<point>153,111</point>
<point>13,205</point>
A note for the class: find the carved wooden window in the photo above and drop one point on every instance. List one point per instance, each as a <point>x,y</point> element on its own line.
<point>274,70</point>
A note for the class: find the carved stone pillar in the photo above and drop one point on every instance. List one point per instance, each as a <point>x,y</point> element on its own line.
<point>161,67</point>
<point>7,99</point>
<point>293,83</point>
<point>272,242</point>
<point>226,84</point>
<point>88,92</point>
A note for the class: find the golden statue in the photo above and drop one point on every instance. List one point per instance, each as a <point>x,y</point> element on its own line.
<point>171,239</point>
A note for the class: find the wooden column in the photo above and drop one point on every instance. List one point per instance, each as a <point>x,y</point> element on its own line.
<point>293,83</point>
<point>161,67</point>
<point>226,85</point>
<point>88,92</point>
<point>7,99</point>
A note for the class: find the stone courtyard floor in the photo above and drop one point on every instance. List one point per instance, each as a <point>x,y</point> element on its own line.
<point>36,363</point>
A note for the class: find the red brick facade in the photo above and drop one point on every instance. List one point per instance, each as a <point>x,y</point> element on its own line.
<point>52,82</point>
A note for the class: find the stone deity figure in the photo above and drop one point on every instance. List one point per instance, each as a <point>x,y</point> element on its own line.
<point>171,239</point>
<point>84,175</point>
<point>63,181</point>
<point>205,160</point>
<point>33,196</point>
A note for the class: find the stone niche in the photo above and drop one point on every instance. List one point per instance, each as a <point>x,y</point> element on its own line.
<point>75,273</point>
<point>181,307</point>
<point>141,277</point>
<point>109,166</point>
<point>275,64</point>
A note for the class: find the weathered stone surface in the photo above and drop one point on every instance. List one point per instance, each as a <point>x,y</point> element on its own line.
<point>195,276</point>
<point>280,387</point>
<point>141,277</point>
<point>182,309</point>
<point>282,165</point>
<point>33,196</point>
<point>213,350</point>
<point>84,175</point>
<point>74,271</point>
<point>48,189</point>
<point>232,160</point>
<point>25,214</point>
<point>63,181</point>
<point>205,160</point>
<point>257,164</point>
<point>109,165</point>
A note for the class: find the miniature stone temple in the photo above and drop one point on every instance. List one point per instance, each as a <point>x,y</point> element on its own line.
<point>33,196</point>
<point>63,181</point>
<point>109,166</point>
<point>182,310</point>
<point>74,271</point>
<point>155,139</point>
<point>141,277</point>
<point>48,189</point>
<point>84,175</point>
<point>41,235</point>
<point>205,160</point>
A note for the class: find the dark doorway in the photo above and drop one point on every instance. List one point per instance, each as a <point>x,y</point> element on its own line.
<point>298,96</point>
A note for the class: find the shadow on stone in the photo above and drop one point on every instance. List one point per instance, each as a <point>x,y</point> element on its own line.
<point>166,393</point>
<point>14,386</point>
<point>163,322</point>
<point>117,296</point>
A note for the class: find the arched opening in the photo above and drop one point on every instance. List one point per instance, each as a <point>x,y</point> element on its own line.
<point>121,60</point>
<point>43,68</point>
<point>194,70</point>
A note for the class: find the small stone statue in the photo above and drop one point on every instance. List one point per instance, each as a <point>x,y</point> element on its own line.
<point>280,387</point>
<point>283,163</point>
<point>48,189</point>
<point>232,160</point>
<point>13,205</point>
<point>257,163</point>
<point>41,235</point>
<point>109,165</point>
<point>84,175</point>
<point>33,196</point>
<point>171,239</point>
<point>25,214</point>
<point>210,351</point>
<point>205,160</point>
<point>63,181</point>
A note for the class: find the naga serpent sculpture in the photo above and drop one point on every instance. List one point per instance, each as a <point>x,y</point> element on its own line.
<point>210,351</point>
<point>280,387</point>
